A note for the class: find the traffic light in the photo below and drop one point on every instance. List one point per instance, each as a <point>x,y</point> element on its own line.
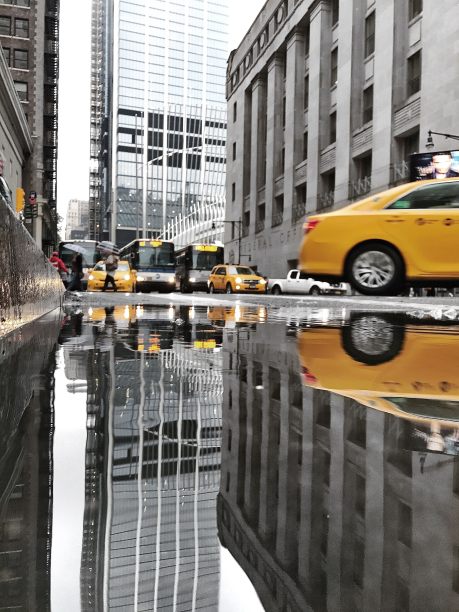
<point>20,199</point>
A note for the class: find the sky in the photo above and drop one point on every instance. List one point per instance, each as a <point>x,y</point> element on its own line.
<point>74,91</point>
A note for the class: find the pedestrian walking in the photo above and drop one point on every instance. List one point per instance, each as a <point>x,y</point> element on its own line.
<point>77,273</point>
<point>60,266</point>
<point>111,265</point>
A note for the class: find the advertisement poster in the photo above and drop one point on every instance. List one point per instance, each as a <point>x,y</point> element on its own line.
<point>435,165</point>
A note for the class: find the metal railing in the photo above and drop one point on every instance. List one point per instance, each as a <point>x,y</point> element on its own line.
<point>298,211</point>
<point>359,187</point>
<point>277,219</point>
<point>259,225</point>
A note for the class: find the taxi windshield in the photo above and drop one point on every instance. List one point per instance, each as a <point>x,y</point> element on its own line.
<point>240,270</point>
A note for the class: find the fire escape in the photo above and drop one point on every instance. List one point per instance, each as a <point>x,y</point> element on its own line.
<point>51,73</point>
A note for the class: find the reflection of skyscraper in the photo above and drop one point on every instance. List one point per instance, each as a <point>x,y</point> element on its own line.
<point>150,533</point>
<point>320,503</point>
<point>158,136</point>
<point>26,466</point>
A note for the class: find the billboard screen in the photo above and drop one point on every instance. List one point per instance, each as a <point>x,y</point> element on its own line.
<point>435,165</point>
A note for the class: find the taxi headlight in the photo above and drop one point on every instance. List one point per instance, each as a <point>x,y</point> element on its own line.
<point>140,278</point>
<point>192,279</point>
<point>171,279</point>
<point>262,281</point>
<point>91,277</point>
<point>239,279</point>
<point>126,277</point>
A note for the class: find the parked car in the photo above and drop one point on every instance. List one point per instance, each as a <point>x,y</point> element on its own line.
<point>125,277</point>
<point>405,235</point>
<point>235,279</point>
<point>299,282</point>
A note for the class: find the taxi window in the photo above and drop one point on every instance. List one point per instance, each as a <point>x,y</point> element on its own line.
<point>100,267</point>
<point>220,271</point>
<point>240,270</point>
<point>447,410</point>
<point>123,266</point>
<point>437,196</point>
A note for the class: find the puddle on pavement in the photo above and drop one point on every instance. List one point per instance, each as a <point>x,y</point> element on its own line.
<point>180,458</point>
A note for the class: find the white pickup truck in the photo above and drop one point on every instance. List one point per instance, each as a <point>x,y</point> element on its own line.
<point>299,282</point>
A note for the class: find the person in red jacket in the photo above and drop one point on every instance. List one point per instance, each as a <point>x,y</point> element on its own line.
<point>60,266</point>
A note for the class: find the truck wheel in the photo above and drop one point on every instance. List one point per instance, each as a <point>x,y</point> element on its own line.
<point>276,290</point>
<point>315,290</point>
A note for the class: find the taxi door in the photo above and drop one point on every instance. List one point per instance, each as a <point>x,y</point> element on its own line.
<point>424,225</point>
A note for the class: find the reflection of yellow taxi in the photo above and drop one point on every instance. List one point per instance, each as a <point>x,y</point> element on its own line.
<point>420,382</point>
<point>125,277</point>
<point>235,279</point>
<point>120,313</point>
<point>408,233</point>
<point>228,315</point>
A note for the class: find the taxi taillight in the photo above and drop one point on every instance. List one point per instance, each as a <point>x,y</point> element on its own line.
<point>310,225</point>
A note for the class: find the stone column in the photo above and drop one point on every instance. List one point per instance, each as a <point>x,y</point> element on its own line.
<point>264,510</point>
<point>344,100</point>
<point>274,129</point>
<point>335,527</point>
<point>258,91</point>
<point>319,85</point>
<point>382,95</point>
<point>294,116</point>
<point>282,527</point>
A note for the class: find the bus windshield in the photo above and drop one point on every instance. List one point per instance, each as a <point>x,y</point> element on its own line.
<point>206,260</point>
<point>90,255</point>
<point>161,256</point>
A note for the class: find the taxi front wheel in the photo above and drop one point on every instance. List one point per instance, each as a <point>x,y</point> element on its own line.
<point>229,289</point>
<point>375,269</point>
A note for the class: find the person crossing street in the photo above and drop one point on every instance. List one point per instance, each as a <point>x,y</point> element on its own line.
<point>111,265</point>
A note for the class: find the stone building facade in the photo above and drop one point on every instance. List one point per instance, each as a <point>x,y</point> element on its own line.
<point>29,36</point>
<point>326,101</point>
<point>324,503</point>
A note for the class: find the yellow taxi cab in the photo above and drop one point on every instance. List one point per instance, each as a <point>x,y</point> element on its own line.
<point>418,382</point>
<point>235,278</point>
<point>408,234</point>
<point>125,277</point>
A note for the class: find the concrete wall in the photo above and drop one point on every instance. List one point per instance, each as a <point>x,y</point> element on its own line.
<point>29,285</point>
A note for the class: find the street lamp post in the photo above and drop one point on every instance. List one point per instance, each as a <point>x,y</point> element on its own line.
<point>430,142</point>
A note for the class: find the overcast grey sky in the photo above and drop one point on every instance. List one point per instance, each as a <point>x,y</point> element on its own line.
<point>74,88</point>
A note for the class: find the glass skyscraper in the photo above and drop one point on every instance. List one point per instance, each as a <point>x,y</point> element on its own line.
<point>158,112</point>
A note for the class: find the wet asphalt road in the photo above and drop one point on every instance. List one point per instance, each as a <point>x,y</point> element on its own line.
<point>158,451</point>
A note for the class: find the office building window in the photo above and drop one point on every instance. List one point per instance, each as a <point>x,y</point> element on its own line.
<point>7,55</point>
<point>306,92</point>
<point>335,12</point>
<point>370,34</point>
<point>333,128</point>
<point>367,106</point>
<point>234,151</point>
<point>233,192</point>
<point>17,2</point>
<point>22,90</point>
<point>278,217</point>
<point>5,26</point>
<point>334,67</point>
<point>21,59</point>
<point>305,145</point>
<point>284,110</point>
<point>414,73</point>
<point>307,35</point>
<point>234,112</point>
<point>415,8</point>
<point>21,28</point>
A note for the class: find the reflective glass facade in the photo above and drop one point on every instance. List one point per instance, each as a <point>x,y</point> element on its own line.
<point>168,109</point>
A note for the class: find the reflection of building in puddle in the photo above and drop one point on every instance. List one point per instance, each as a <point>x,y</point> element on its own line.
<point>153,472</point>
<point>320,502</point>
<point>27,364</point>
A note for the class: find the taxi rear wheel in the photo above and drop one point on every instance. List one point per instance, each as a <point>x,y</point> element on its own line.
<point>373,339</point>
<point>375,269</point>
